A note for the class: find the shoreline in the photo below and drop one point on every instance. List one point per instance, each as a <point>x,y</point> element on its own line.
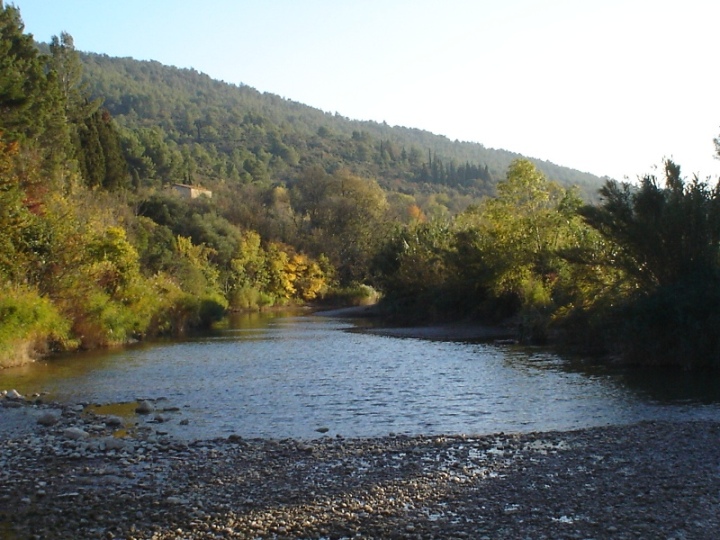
<point>447,332</point>
<point>456,331</point>
<point>73,479</point>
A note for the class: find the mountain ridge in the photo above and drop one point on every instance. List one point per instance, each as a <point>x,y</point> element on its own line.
<point>247,130</point>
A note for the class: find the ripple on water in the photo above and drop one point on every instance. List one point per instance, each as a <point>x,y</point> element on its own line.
<point>284,376</point>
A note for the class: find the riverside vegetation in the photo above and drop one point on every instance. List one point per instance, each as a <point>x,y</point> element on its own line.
<point>98,250</point>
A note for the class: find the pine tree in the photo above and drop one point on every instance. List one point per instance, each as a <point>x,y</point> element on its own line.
<point>31,109</point>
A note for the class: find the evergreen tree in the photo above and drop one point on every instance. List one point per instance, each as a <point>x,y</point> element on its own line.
<point>30,98</point>
<point>117,175</point>
<point>66,64</point>
<point>90,153</point>
<point>100,154</point>
<point>22,79</point>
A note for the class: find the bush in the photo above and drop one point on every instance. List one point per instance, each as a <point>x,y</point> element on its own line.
<point>184,312</point>
<point>31,325</point>
<point>245,297</point>
<point>356,294</point>
<point>675,325</point>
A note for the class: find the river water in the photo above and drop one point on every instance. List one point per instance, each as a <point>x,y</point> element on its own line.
<point>279,375</point>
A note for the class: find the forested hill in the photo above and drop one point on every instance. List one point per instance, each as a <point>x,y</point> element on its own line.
<point>199,130</point>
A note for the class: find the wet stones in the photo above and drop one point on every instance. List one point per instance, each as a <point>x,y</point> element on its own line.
<point>548,485</point>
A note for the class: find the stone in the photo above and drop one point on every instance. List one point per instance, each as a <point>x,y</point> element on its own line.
<point>113,443</point>
<point>75,433</point>
<point>11,404</point>
<point>13,394</point>
<point>144,407</point>
<point>48,419</point>
<point>113,421</point>
<point>322,429</point>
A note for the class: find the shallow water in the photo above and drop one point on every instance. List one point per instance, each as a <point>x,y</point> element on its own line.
<point>274,375</point>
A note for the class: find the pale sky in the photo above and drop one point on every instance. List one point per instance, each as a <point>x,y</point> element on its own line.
<point>609,87</point>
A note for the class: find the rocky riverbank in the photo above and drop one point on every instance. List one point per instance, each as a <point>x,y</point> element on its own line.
<point>65,474</point>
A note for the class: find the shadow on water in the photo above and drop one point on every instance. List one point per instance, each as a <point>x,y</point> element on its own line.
<point>662,385</point>
<point>673,385</point>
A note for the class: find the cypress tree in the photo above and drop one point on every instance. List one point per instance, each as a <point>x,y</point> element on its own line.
<point>116,167</point>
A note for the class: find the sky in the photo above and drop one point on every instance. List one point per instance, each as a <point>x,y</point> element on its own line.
<point>610,87</point>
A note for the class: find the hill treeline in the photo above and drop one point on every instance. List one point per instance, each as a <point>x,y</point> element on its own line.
<point>218,132</point>
<point>101,244</point>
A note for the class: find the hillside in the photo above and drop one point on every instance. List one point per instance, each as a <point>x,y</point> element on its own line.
<point>199,130</point>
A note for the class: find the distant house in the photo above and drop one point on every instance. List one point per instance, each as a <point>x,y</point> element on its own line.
<point>192,192</point>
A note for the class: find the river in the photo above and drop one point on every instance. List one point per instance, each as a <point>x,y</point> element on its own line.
<point>282,375</point>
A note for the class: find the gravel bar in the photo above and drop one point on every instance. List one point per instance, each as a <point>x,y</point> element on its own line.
<point>66,474</point>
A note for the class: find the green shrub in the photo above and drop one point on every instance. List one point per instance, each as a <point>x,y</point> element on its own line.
<point>246,297</point>
<point>675,325</point>
<point>356,294</point>
<point>29,325</point>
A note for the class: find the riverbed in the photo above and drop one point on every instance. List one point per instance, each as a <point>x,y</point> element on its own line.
<point>69,477</point>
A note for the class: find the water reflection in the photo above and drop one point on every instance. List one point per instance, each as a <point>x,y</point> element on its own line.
<point>283,375</point>
<point>662,385</point>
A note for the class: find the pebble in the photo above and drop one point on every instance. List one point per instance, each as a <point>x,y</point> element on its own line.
<point>94,485</point>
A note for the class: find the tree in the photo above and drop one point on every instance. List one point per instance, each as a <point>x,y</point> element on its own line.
<point>117,175</point>
<point>521,228</point>
<point>22,78</point>
<point>67,67</point>
<point>15,217</point>
<point>668,244</point>
<point>664,234</point>
<point>416,271</point>
<point>510,248</point>
<point>31,104</point>
<point>344,218</point>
